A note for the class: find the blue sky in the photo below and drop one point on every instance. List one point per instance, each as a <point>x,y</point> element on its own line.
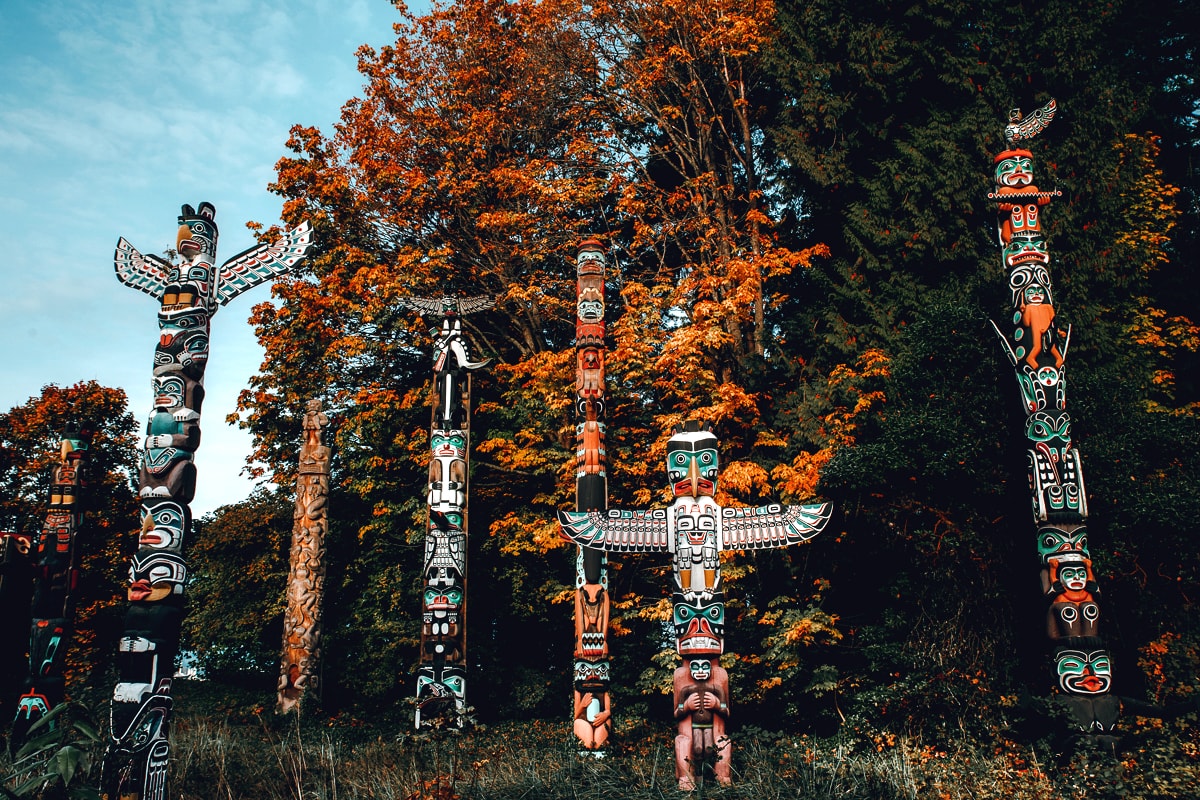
<point>112,115</point>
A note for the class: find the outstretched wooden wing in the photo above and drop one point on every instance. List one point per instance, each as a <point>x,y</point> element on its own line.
<point>617,531</point>
<point>771,526</point>
<point>442,305</point>
<point>147,274</point>
<point>263,262</point>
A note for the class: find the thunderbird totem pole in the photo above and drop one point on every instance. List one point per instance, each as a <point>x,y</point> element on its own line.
<point>1037,349</point>
<point>593,705</point>
<point>306,580</point>
<point>442,676</point>
<point>695,530</point>
<point>189,293</point>
<point>55,574</point>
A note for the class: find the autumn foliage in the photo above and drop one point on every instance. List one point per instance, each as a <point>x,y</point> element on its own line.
<point>794,205</point>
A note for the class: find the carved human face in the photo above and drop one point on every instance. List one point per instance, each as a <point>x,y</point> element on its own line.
<point>1083,671</point>
<point>1015,170</point>
<point>448,471</point>
<point>156,574</point>
<point>1074,577</point>
<point>692,464</point>
<point>700,669</point>
<point>1035,294</point>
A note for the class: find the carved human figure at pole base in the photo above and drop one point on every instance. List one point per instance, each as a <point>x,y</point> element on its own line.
<point>700,689</point>
<point>593,708</point>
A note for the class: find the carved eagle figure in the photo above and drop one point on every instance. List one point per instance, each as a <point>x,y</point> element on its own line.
<point>1020,128</point>
<point>447,305</point>
<point>254,265</point>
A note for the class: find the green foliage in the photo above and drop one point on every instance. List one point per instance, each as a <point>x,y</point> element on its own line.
<point>805,255</point>
<point>59,758</point>
<point>239,564</point>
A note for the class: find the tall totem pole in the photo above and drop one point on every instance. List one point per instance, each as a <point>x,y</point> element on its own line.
<point>1037,349</point>
<point>593,704</point>
<point>189,293</point>
<point>306,579</point>
<point>695,530</point>
<point>442,675</point>
<point>56,572</point>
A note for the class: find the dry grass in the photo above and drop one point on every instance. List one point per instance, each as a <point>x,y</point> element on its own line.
<point>271,759</point>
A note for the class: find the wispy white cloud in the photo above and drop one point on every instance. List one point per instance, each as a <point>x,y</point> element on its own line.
<point>111,116</point>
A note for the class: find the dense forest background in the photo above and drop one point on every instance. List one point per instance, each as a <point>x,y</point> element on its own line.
<point>794,201</point>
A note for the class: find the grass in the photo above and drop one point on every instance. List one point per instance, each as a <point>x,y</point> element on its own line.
<point>262,757</point>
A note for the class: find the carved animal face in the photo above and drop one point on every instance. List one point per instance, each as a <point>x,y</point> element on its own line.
<point>692,463</point>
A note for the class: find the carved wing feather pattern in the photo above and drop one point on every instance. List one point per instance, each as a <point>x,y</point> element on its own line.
<point>145,273</point>
<point>1030,125</point>
<point>422,305</point>
<point>469,305</point>
<point>263,262</point>
<point>771,526</point>
<point>439,305</point>
<point>617,531</point>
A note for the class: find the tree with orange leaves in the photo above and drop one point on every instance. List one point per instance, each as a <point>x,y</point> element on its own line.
<point>488,139</point>
<point>31,448</point>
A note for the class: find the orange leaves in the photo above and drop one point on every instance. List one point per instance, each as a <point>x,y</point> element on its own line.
<point>1150,209</point>
<point>844,397</point>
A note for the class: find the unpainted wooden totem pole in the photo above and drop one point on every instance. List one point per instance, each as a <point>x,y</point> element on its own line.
<point>1036,347</point>
<point>442,674</point>
<point>56,572</point>
<point>593,704</point>
<point>189,293</point>
<point>306,578</point>
<point>695,531</point>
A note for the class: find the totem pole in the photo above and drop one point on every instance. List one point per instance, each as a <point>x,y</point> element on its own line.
<point>1037,349</point>
<point>306,580</point>
<point>442,676</point>
<point>695,530</point>
<point>56,572</point>
<point>16,579</point>
<point>189,293</point>
<point>593,704</point>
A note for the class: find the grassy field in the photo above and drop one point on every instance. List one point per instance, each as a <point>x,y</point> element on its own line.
<point>257,756</point>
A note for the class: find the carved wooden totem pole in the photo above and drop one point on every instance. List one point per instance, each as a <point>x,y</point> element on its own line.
<point>306,580</point>
<point>442,676</point>
<point>56,571</point>
<point>593,704</point>
<point>695,530</point>
<point>1037,349</point>
<point>16,579</point>
<point>189,293</point>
